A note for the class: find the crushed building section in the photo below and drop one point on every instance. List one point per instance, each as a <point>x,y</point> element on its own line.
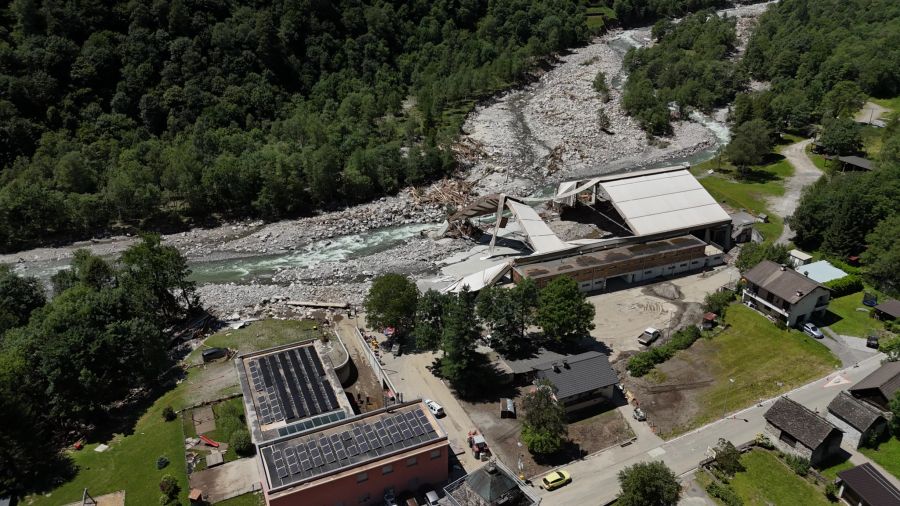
<point>631,263</point>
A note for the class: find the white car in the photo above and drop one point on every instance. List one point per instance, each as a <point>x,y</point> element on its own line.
<point>434,407</point>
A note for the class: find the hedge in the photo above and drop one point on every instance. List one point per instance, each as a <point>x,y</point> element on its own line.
<point>845,286</point>
<point>724,493</point>
<point>643,362</point>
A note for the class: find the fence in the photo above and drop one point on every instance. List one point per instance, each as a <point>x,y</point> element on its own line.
<point>375,363</point>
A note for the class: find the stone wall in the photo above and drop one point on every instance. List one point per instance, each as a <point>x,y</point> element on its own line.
<point>798,449</point>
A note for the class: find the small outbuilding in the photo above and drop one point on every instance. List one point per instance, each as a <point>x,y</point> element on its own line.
<point>798,431</point>
<point>855,163</point>
<point>860,421</point>
<point>798,258</point>
<point>865,486</point>
<point>879,387</point>
<point>888,310</point>
<point>709,321</point>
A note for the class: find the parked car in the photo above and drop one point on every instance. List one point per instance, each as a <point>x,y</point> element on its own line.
<point>214,353</point>
<point>812,331</point>
<point>639,415</point>
<point>872,341</point>
<point>556,479</point>
<point>434,407</point>
<point>649,335</point>
<point>431,498</point>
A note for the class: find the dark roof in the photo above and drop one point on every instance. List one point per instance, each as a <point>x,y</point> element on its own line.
<point>542,357</point>
<point>580,373</point>
<point>801,423</point>
<point>858,413</point>
<point>491,483</point>
<point>890,307</point>
<point>857,161</point>
<point>783,283</point>
<point>885,379</point>
<point>870,485</point>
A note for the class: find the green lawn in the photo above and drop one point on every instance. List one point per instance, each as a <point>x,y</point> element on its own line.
<point>767,480</point>
<point>871,137</point>
<point>762,360</point>
<point>849,321</point>
<point>887,455</point>
<point>749,194</point>
<point>831,471</point>
<point>130,462</point>
<point>890,103</point>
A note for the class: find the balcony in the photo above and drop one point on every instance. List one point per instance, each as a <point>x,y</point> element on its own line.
<point>763,302</point>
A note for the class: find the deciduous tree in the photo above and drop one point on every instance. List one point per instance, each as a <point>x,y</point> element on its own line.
<point>544,426</point>
<point>563,312</point>
<point>648,483</point>
<point>391,302</point>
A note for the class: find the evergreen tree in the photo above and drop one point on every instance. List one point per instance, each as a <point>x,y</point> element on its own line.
<point>458,342</point>
<point>429,327</point>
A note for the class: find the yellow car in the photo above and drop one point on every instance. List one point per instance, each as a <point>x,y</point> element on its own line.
<point>556,479</point>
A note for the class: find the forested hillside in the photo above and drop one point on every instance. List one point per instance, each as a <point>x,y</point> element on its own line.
<point>147,113</point>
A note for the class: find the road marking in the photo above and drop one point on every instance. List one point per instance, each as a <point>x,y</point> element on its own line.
<point>838,380</point>
<point>657,452</point>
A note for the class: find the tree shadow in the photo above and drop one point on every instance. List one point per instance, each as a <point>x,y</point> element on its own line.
<point>755,175</point>
<point>484,382</point>
<point>569,452</point>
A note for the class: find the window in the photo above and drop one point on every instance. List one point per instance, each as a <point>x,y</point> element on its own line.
<point>361,477</point>
<point>411,462</point>
<point>435,454</point>
<point>363,499</point>
<point>388,469</point>
<point>684,265</point>
<point>648,272</point>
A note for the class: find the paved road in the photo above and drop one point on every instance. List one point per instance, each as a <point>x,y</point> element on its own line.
<point>594,479</point>
<point>805,174</point>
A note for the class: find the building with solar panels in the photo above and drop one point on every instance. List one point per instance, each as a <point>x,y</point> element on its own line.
<point>356,461</point>
<point>312,449</point>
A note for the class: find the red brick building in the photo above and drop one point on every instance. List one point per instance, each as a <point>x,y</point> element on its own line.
<point>356,461</point>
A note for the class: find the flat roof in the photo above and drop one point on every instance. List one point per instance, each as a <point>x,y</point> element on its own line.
<point>662,202</point>
<point>289,389</point>
<point>303,458</point>
<point>821,271</point>
<point>608,256</point>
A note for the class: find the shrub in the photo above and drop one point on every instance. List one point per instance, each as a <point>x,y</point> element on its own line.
<point>162,462</point>
<point>643,362</point>
<point>640,364</point>
<point>724,493</point>
<point>799,465</point>
<point>831,490</point>
<point>168,485</point>
<point>168,414</point>
<point>717,302</point>
<point>845,286</point>
<point>240,441</point>
<point>684,338</point>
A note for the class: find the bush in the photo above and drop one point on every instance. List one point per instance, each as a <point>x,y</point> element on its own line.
<point>240,441</point>
<point>717,302</point>
<point>168,414</point>
<point>643,362</point>
<point>168,485</point>
<point>844,286</point>
<point>162,462</point>
<point>724,493</point>
<point>831,490</point>
<point>799,465</point>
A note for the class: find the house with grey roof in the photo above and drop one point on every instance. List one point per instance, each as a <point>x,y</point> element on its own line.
<point>784,294</point>
<point>798,431</point>
<point>490,485</point>
<point>879,387</point>
<point>580,381</point>
<point>860,421</point>
<point>865,486</point>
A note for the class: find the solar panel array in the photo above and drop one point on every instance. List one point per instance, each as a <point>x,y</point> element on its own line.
<point>312,455</point>
<point>290,385</point>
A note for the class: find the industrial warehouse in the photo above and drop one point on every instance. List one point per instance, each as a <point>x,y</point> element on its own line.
<point>654,223</point>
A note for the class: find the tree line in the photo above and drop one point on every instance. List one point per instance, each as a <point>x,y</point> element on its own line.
<point>150,114</point>
<point>66,361</point>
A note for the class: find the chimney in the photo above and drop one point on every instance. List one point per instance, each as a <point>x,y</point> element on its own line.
<point>491,467</point>
<point>783,267</point>
<point>566,364</point>
<point>799,293</point>
<point>555,367</point>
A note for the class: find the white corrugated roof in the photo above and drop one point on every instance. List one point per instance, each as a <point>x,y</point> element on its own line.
<point>478,280</point>
<point>541,238</point>
<point>662,202</point>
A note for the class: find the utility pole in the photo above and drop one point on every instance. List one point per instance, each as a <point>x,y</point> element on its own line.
<point>728,390</point>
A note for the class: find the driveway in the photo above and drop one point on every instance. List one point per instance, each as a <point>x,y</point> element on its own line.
<point>228,480</point>
<point>847,348</point>
<point>805,174</point>
<point>594,480</point>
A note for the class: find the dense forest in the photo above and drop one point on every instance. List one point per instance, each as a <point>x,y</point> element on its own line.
<point>66,363</point>
<point>148,113</point>
<point>688,65</point>
<point>823,58</point>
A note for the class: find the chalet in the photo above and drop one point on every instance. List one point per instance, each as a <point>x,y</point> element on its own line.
<point>798,431</point>
<point>879,387</point>
<point>784,293</point>
<point>865,486</point>
<point>580,381</point>
<point>888,310</point>
<point>860,421</point>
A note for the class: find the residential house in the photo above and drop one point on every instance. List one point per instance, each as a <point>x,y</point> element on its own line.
<point>879,387</point>
<point>865,486</point>
<point>580,381</point>
<point>799,431</point>
<point>888,310</point>
<point>860,421</point>
<point>784,294</point>
<point>490,485</point>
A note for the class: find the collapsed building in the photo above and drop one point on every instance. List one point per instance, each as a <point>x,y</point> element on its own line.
<point>653,223</point>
